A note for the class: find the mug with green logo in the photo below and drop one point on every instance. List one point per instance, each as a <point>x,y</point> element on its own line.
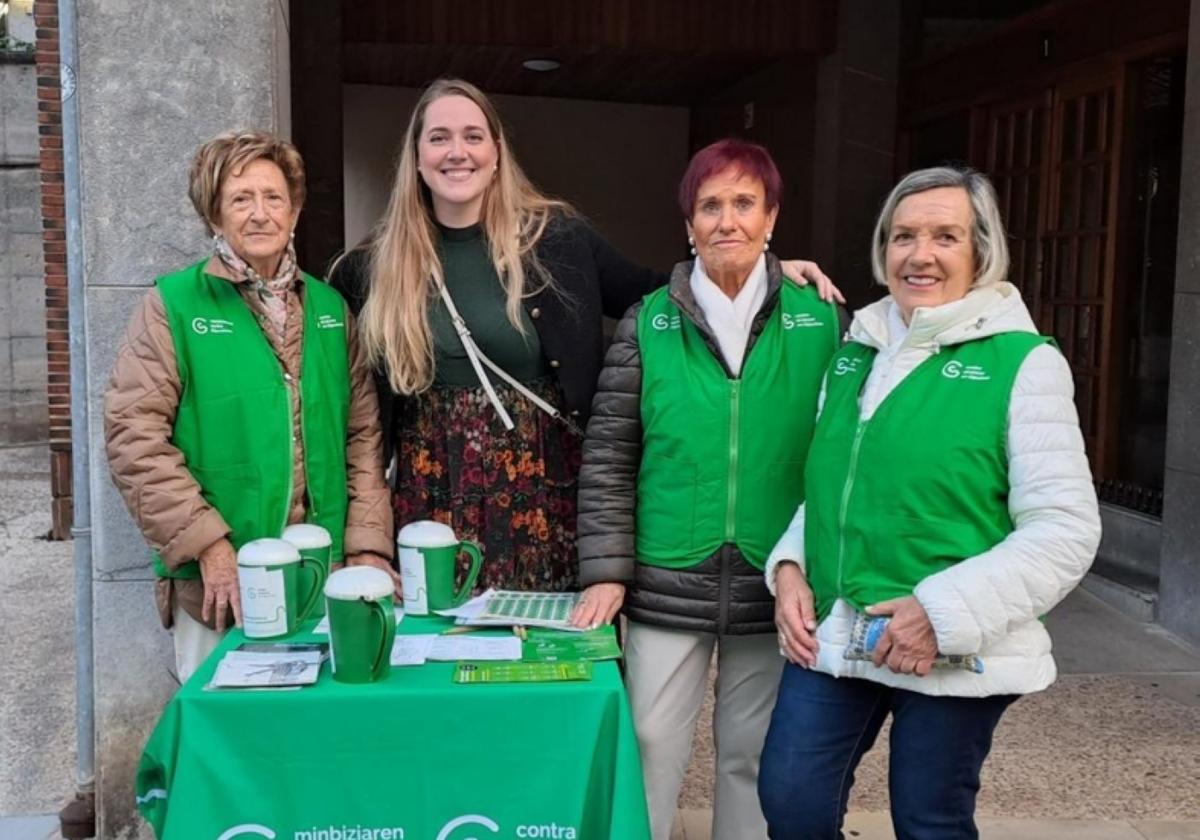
<point>428,556</point>
<point>314,542</point>
<point>362,624</point>
<point>279,588</point>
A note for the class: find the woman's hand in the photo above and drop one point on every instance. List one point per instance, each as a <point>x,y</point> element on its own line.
<point>909,644</point>
<point>795,615</point>
<point>366,558</point>
<point>598,604</point>
<point>218,572</point>
<point>803,272</point>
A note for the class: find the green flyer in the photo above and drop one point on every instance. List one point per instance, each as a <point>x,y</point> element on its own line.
<point>557,646</point>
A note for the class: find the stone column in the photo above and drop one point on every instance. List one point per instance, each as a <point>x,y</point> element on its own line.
<point>1179,575</point>
<point>155,80</point>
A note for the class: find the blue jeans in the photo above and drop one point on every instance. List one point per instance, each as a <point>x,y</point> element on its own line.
<point>822,726</point>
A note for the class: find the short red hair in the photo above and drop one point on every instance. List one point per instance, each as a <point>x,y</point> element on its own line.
<point>749,159</point>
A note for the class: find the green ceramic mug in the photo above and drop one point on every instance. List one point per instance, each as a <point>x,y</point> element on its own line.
<point>428,557</point>
<point>362,624</point>
<point>279,588</point>
<point>313,542</point>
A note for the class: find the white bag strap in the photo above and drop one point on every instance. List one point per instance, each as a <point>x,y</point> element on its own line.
<point>479,359</point>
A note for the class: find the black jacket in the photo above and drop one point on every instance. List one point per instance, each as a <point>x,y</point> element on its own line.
<point>722,594</point>
<point>592,280</point>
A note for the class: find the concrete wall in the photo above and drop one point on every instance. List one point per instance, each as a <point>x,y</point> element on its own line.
<point>1132,543</point>
<point>22,298</point>
<point>155,80</point>
<point>619,164</point>
<point>1179,575</point>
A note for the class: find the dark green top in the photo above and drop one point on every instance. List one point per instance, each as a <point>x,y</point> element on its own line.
<point>479,297</point>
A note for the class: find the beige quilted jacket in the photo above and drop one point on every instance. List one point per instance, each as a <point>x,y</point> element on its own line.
<point>163,498</point>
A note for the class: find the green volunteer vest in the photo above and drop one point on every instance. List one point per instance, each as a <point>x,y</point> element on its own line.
<point>234,421</point>
<point>920,486</point>
<point>723,459</point>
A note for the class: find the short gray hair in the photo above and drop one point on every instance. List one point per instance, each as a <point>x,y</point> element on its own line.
<point>988,238</point>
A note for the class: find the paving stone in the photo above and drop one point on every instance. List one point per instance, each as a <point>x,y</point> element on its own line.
<point>1165,830</point>
<point>1015,829</point>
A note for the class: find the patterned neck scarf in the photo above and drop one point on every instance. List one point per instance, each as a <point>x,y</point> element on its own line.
<point>272,293</point>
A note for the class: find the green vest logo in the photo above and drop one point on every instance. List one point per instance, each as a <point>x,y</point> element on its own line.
<point>957,370</point>
<point>800,320</point>
<point>844,366</point>
<point>662,322</point>
<point>216,326</point>
<point>328,322</point>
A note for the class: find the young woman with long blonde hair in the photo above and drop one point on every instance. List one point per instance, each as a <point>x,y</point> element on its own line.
<point>480,304</point>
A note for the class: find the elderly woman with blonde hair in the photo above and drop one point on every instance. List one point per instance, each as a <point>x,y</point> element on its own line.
<point>948,505</point>
<point>239,402</point>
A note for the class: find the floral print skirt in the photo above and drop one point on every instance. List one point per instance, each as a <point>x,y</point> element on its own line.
<point>512,492</point>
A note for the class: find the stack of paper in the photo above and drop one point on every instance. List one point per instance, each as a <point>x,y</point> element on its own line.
<point>242,669</point>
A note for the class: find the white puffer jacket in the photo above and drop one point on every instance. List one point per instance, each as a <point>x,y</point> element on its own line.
<point>988,604</point>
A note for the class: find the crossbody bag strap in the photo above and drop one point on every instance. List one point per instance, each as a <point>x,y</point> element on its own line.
<point>479,359</point>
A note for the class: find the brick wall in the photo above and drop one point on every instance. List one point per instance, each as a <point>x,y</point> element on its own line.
<point>54,251</point>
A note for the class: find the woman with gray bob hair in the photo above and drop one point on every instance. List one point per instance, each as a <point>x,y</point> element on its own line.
<point>987,228</point>
<point>947,505</point>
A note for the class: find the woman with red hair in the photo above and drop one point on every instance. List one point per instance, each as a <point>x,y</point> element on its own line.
<point>692,467</point>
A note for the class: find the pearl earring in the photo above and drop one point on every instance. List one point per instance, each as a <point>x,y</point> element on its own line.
<point>692,244</point>
<point>767,244</point>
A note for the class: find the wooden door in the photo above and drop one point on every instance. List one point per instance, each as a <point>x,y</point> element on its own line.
<point>1076,303</point>
<point>1018,137</point>
<point>1053,159</point>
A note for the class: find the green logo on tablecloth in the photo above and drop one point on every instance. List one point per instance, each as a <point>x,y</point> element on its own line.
<point>447,831</point>
<point>548,831</point>
<point>248,830</point>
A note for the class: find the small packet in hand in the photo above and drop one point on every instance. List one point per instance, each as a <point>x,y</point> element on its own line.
<point>868,629</point>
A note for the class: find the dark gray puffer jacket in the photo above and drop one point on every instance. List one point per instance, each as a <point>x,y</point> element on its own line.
<point>724,593</point>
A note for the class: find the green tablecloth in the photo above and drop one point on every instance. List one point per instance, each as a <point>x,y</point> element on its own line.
<point>415,757</point>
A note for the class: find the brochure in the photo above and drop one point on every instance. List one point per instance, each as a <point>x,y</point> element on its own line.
<point>556,646</point>
<point>248,669</point>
